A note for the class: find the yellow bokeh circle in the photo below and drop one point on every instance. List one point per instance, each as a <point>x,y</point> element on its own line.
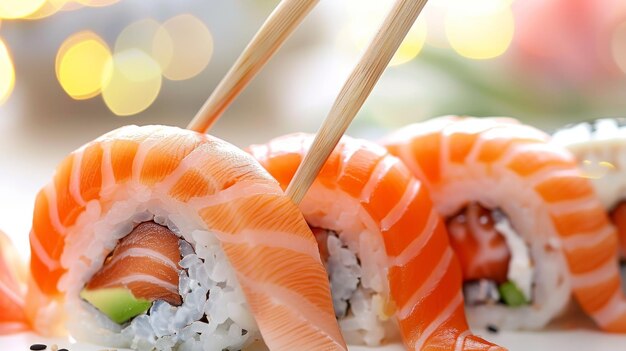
<point>138,35</point>
<point>183,46</point>
<point>19,8</point>
<point>96,3</point>
<point>82,65</point>
<point>49,8</point>
<point>134,82</point>
<point>7,73</point>
<point>482,33</point>
<point>411,45</point>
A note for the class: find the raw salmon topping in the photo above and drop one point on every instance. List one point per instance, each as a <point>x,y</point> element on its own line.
<point>482,250</point>
<point>145,262</point>
<point>618,217</point>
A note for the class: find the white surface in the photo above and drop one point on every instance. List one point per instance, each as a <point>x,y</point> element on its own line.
<point>572,340</point>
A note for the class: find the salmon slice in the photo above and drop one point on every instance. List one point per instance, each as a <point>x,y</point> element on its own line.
<point>378,192</point>
<point>482,251</point>
<point>12,289</point>
<point>618,216</point>
<point>266,240</point>
<point>510,166</point>
<point>146,262</point>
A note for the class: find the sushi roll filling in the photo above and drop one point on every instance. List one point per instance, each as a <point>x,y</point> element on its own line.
<point>495,261</point>
<point>209,311</point>
<point>141,269</point>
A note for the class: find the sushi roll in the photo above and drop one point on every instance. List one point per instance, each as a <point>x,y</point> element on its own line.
<point>160,238</point>
<point>392,271</point>
<point>12,289</point>
<point>600,148</point>
<point>527,227</point>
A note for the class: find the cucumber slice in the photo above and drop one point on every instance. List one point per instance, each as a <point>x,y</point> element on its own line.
<point>119,304</point>
<point>512,295</point>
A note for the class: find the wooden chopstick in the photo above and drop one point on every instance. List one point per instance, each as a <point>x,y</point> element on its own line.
<point>279,25</point>
<point>354,92</point>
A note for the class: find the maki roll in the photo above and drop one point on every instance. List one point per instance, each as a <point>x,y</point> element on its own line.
<point>600,148</point>
<point>390,265</point>
<point>160,238</point>
<point>12,289</point>
<point>526,225</point>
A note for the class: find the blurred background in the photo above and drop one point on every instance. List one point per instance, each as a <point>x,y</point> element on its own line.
<point>71,70</point>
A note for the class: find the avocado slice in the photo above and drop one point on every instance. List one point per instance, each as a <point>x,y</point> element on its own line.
<point>119,304</point>
<point>512,295</point>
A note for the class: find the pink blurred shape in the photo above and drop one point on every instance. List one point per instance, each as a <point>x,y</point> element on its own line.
<point>568,40</point>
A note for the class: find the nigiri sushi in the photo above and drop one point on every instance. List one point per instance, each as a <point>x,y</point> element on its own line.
<point>385,248</point>
<point>161,238</point>
<point>600,149</point>
<point>12,289</point>
<point>500,184</point>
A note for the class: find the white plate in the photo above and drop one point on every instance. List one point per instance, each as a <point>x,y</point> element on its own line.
<point>570,340</point>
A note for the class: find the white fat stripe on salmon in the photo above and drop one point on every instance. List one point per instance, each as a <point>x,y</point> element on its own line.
<point>613,310</point>
<point>551,172</point>
<point>587,239</point>
<point>75,175</point>
<point>13,327</point>
<point>275,239</point>
<point>196,156</point>
<point>143,278</point>
<point>406,155</point>
<point>608,270</point>
<point>495,256</point>
<point>435,276</point>
<point>240,190</point>
<point>382,168</point>
<point>306,311</point>
<point>42,254</point>
<point>346,156</point>
<point>572,206</point>
<point>53,212</point>
<point>140,156</point>
<point>460,340</point>
<point>108,175</point>
<point>142,252</point>
<point>400,208</point>
<point>419,242</point>
<point>10,293</point>
<point>442,317</point>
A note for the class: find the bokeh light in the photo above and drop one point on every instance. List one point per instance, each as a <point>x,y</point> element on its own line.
<point>19,8</point>
<point>7,73</point>
<point>365,18</point>
<point>97,3</point>
<point>81,65</point>
<point>49,8</point>
<point>619,46</point>
<point>480,29</point>
<point>183,46</point>
<point>138,35</point>
<point>134,83</point>
<point>411,45</point>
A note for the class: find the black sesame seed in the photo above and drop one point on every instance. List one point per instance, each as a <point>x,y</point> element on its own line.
<point>63,350</point>
<point>244,332</point>
<point>492,328</point>
<point>37,347</point>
